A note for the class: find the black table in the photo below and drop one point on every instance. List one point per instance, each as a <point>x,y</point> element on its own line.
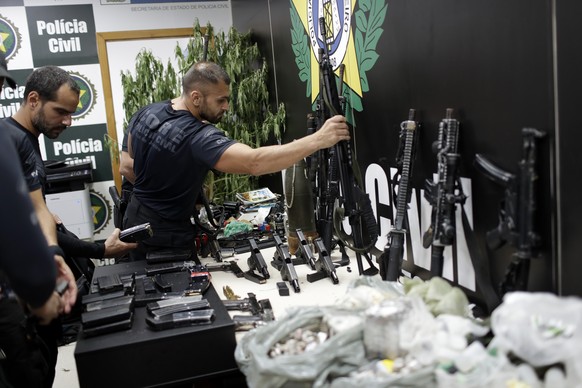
<point>142,357</point>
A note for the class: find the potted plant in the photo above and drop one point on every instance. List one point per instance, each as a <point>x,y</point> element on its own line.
<point>250,119</point>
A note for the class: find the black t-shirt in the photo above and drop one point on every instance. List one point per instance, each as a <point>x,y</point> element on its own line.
<point>28,150</point>
<point>126,185</point>
<point>24,257</point>
<point>26,145</point>
<point>173,151</point>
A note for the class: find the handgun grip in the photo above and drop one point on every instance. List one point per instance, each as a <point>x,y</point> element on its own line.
<point>115,196</point>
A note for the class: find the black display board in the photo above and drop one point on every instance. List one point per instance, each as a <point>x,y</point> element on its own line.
<point>492,62</point>
<point>569,60</point>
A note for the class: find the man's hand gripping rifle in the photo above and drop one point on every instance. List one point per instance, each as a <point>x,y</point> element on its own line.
<point>516,216</point>
<point>445,194</point>
<point>333,170</point>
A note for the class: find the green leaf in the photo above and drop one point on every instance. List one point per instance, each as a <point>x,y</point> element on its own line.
<point>369,60</point>
<point>361,20</point>
<point>250,119</point>
<point>377,16</point>
<point>367,36</point>
<point>364,82</point>
<point>372,39</point>
<point>365,5</point>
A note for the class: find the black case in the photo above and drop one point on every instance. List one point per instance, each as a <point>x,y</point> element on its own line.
<point>179,308</point>
<point>108,315</point>
<point>96,297</point>
<point>164,256</point>
<point>188,318</point>
<point>109,327</point>
<point>108,303</point>
<point>110,283</point>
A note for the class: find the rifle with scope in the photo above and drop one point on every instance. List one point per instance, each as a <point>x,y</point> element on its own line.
<point>335,184</point>
<point>516,216</point>
<point>445,193</point>
<point>391,259</point>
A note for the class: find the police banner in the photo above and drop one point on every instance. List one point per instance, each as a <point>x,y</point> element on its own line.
<point>62,35</point>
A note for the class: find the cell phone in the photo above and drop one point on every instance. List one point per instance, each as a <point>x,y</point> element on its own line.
<point>136,233</point>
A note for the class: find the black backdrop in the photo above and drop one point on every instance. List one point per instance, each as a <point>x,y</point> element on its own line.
<point>493,63</point>
<point>569,156</point>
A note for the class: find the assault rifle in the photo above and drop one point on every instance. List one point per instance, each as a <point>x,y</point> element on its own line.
<point>516,216</point>
<point>332,173</point>
<point>391,259</point>
<point>445,194</point>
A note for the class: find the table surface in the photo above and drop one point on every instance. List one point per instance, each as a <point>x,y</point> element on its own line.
<point>141,356</point>
<point>140,331</point>
<point>321,292</point>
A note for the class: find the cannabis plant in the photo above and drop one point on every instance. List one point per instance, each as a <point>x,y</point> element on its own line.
<point>250,119</point>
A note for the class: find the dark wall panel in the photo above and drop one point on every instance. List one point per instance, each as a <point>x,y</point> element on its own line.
<point>253,16</point>
<point>491,61</point>
<point>569,31</point>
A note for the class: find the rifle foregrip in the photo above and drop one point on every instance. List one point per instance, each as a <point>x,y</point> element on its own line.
<point>311,124</point>
<point>395,255</point>
<point>327,235</point>
<point>436,260</point>
<point>115,196</point>
<point>369,218</point>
